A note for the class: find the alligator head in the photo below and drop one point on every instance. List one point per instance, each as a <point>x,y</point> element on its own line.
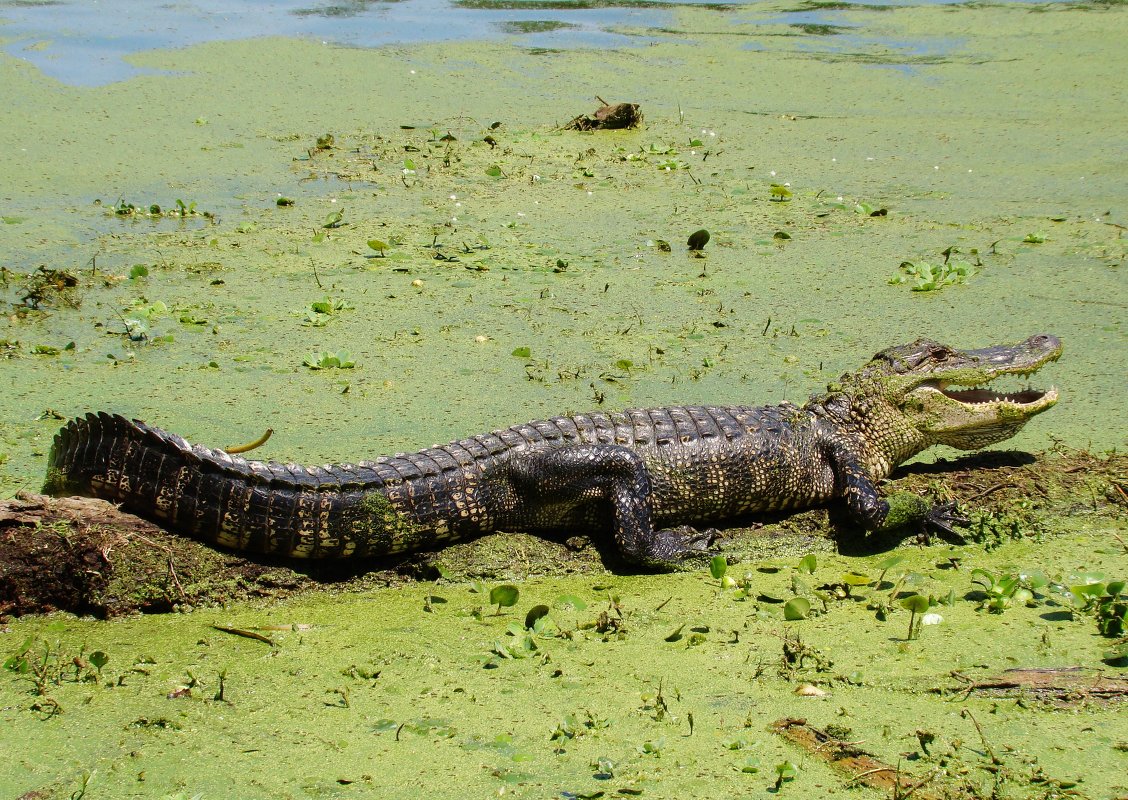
<point>916,395</point>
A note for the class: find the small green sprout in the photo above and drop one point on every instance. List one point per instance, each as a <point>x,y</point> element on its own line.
<point>284,202</point>
<point>780,193</point>
<point>184,210</point>
<point>335,219</point>
<point>1035,238</point>
<point>916,604</point>
<point>378,246</point>
<point>784,772</point>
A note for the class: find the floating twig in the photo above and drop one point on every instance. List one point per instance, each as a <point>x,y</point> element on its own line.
<point>243,448</point>
<point>247,634</point>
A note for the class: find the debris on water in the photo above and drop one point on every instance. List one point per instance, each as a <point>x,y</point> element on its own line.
<point>608,117</point>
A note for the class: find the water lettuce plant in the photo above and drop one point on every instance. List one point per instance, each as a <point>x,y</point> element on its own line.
<point>928,277</point>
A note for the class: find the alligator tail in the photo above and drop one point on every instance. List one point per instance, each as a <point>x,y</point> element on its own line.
<point>250,506</point>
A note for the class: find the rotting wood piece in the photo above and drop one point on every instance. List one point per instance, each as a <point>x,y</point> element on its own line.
<point>1061,686</point>
<point>848,758</point>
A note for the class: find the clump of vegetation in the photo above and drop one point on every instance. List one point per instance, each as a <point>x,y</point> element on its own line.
<point>154,211</point>
<point>45,665</point>
<point>319,312</point>
<point>927,277</point>
<point>993,527</point>
<point>342,359</point>
<point>46,287</point>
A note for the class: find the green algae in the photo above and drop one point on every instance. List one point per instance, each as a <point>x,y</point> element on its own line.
<point>1014,128</point>
<point>357,680</point>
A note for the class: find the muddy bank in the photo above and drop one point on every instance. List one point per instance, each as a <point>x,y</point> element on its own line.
<point>87,557</point>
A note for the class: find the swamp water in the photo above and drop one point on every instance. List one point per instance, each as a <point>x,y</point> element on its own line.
<point>525,278</point>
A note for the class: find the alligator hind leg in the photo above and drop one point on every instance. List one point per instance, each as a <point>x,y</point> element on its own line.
<point>568,477</point>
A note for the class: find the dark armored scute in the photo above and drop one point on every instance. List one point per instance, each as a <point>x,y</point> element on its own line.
<point>646,475</point>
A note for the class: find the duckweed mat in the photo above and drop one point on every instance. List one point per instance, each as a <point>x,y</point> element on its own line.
<point>370,251</point>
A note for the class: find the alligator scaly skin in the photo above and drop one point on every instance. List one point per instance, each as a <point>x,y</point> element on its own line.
<point>698,464</point>
<point>645,475</point>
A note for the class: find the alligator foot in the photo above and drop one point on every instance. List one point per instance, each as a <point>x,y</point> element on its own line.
<point>940,520</point>
<point>677,548</point>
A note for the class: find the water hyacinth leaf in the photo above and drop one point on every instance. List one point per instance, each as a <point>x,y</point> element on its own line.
<point>718,565</point>
<point>99,659</point>
<point>890,562</point>
<point>522,352</point>
<point>780,193</point>
<point>856,579</point>
<point>797,608</point>
<point>535,613</point>
<point>786,771</point>
<point>698,239</point>
<point>808,564</point>
<point>504,596</point>
<point>916,603</point>
<point>570,601</point>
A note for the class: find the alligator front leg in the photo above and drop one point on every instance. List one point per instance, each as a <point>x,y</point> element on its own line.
<point>897,510</point>
<point>568,477</point>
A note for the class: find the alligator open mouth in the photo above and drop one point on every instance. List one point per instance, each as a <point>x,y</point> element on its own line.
<point>979,395</point>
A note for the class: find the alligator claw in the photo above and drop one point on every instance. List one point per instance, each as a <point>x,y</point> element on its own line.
<point>940,520</point>
<point>680,547</point>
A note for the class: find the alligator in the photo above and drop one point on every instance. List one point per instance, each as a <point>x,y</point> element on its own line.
<point>645,475</point>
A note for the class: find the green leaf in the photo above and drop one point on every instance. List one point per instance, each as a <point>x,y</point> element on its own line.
<point>377,245</point>
<point>780,192</point>
<point>916,603</point>
<point>494,171</point>
<point>522,352</point>
<point>808,564</point>
<point>797,608</point>
<point>535,613</point>
<point>504,596</point>
<point>786,771</point>
<point>570,601</point>
<point>99,659</point>
<point>718,565</point>
<point>856,579</point>
<point>138,271</point>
